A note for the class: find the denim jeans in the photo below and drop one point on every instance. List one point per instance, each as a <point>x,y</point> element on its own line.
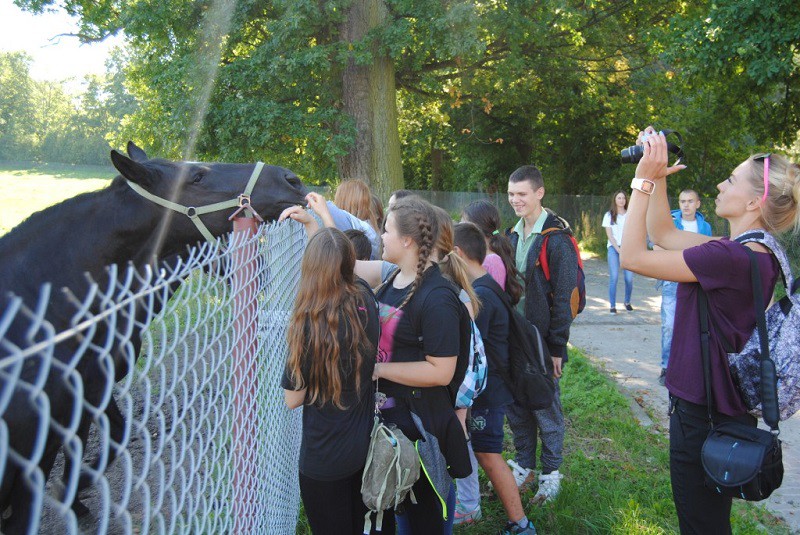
<point>468,489</point>
<point>613,272</point>
<point>669,292</point>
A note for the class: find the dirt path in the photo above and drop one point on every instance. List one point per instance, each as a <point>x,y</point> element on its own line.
<point>628,346</point>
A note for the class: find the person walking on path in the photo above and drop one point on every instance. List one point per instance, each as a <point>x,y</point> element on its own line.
<point>761,193</point>
<point>614,223</point>
<point>547,305</point>
<point>689,219</point>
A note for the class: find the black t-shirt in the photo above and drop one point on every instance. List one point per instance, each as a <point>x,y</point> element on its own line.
<point>493,322</point>
<point>435,332</point>
<point>335,441</point>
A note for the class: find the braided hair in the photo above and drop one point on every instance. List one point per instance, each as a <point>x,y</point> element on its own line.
<point>415,218</point>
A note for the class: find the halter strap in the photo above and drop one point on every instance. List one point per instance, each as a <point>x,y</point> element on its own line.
<point>194,213</point>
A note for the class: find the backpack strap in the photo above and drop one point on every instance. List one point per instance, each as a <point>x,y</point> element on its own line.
<point>776,249</point>
<point>544,262</point>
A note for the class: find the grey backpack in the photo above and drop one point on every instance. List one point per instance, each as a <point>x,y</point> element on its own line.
<point>783,330</point>
<point>391,470</point>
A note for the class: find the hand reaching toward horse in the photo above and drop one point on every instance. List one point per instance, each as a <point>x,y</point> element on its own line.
<point>318,203</point>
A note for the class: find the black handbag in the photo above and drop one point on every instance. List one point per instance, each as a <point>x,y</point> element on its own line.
<point>742,461</point>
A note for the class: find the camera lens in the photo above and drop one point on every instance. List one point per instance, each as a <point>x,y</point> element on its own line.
<point>632,154</point>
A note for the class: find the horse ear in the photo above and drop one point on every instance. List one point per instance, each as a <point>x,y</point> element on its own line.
<point>136,153</point>
<point>131,170</point>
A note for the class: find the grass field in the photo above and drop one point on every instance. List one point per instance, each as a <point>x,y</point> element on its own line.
<point>26,188</point>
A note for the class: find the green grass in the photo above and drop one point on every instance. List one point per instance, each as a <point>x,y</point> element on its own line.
<point>616,472</point>
<point>26,188</point>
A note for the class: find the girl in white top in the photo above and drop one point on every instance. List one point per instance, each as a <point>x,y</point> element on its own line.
<point>614,222</point>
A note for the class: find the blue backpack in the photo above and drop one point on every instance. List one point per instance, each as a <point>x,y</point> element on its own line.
<point>477,370</point>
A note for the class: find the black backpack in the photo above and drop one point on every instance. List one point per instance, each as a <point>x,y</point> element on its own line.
<point>530,372</point>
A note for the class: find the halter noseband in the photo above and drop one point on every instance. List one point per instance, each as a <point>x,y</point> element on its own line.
<point>194,213</point>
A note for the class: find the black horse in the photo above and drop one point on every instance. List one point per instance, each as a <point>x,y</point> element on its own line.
<point>83,235</point>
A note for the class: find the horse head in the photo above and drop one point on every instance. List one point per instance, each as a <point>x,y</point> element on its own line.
<point>210,192</point>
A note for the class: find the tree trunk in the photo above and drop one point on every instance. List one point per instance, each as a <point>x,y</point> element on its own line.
<point>437,157</point>
<point>369,97</point>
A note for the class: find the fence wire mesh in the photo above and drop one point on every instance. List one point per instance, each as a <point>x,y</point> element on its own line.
<point>202,441</point>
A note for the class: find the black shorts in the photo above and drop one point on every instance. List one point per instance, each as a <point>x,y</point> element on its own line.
<point>486,429</point>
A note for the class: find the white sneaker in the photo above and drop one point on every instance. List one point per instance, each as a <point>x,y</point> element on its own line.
<point>549,487</point>
<point>520,474</point>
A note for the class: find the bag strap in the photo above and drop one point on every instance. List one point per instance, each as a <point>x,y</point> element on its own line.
<point>769,378</point>
<point>769,388</point>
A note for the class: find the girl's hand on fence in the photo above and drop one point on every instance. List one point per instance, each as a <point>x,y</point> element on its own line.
<point>297,213</point>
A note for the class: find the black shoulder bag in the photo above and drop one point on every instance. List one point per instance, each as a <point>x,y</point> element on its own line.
<point>741,461</point>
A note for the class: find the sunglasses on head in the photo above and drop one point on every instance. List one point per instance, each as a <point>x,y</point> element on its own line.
<point>765,157</point>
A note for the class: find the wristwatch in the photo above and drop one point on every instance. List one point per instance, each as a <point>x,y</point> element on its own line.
<point>644,185</point>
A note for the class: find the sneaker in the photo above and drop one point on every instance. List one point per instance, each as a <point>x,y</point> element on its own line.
<point>613,310</point>
<point>463,516</point>
<point>628,307</point>
<point>513,528</point>
<point>549,487</point>
<point>662,379</point>
<point>521,475</point>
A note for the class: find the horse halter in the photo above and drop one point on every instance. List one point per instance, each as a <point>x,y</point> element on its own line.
<point>242,202</point>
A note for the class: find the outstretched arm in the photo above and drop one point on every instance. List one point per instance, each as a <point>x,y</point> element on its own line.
<point>660,226</point>
<point>666,265</point>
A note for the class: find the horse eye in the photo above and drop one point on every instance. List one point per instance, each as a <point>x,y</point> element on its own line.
<point>197,178</point>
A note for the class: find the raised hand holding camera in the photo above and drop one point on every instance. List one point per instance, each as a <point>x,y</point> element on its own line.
<point>634,154</point>
<point>653,164</point>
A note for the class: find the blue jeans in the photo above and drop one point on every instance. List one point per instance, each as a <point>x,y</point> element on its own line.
<point>613,272</point>
<point>468,489</point>
<point>669,292</point>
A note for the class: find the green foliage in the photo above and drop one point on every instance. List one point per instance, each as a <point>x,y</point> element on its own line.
<point>482,87</point>
<point>42,121</point>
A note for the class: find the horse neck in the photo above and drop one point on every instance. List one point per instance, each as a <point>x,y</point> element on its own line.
<point>82,235</point>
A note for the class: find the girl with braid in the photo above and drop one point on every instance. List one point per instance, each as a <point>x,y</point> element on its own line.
<point>419,347</point>
<point>418,303</point>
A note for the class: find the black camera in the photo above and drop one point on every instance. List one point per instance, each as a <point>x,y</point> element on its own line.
<point>635,153</point>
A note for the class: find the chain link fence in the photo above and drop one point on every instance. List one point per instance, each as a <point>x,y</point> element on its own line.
<point>205,443</point>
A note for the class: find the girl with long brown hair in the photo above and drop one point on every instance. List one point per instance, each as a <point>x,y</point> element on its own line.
<point>333,338</point>
<point>614,223</point>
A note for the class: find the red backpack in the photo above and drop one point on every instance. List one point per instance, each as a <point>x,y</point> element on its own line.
<point>578,298</point>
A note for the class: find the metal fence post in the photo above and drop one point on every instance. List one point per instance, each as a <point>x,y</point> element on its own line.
<point>245,288</point>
